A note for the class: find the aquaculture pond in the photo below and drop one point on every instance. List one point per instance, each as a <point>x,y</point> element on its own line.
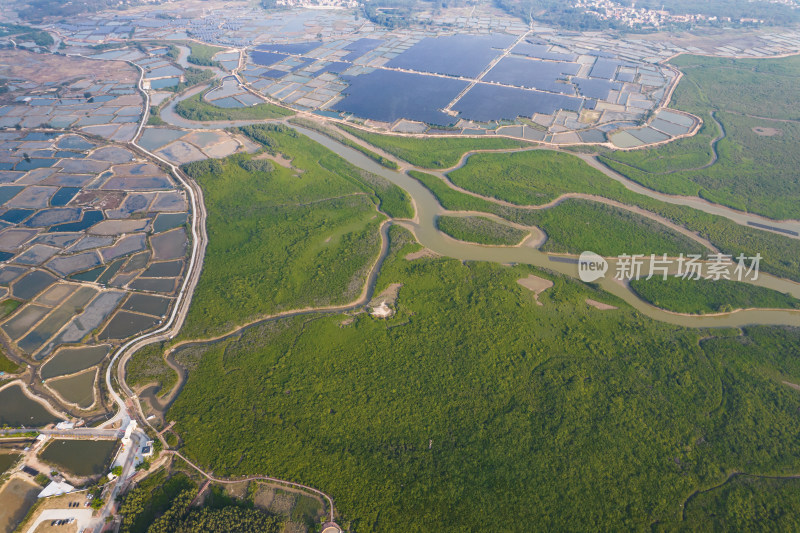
<point>534,74</point>
<point>77,389</point>
<point>80,457</point>
<point>71,360</point>
<point>17,496</point>
<point>457,55</point>
<point>7,460</point>
<point>148,304</point>
<point>387,95</point>
<point>16,409</point>
<point>484,103</point>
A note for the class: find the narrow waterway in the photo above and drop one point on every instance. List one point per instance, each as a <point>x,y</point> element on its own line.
<point>424,227</point>
<point>428,208</point>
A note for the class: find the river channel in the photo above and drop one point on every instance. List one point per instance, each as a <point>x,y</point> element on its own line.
<point>426,232</point>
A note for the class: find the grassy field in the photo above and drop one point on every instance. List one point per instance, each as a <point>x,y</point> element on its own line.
<point>757,169</point>
<point>761,87</point>
<point>433,420</point>
<point>706,296</point>
<point>287,239</point>
<point>6,365</point>
<point>433,152</point>
<point>480,230</point>
<point>195,108</point>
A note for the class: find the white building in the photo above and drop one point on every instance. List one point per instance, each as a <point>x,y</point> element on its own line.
<point>56,488</point>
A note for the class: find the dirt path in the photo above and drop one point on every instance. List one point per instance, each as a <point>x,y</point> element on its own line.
<point>331,508</point>
<point>363,299</point>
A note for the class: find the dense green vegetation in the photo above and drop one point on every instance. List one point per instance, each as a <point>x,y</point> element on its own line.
<point>760,87</point>
<point>312,125</point>
<point>195,108</point>
<point>287,239</point>
<point>481,230</point>
<point>433,419</point>
<point>201,54</point>
<point>392,200</point>
<point>160,504</point>
<point>433,152</point>
<point>755,172</point>
<point>6,365</point>
<point>706,296</point>
<point>532,177</point>
<point>150,499</point>
<point>227,519</point>
<point>154,119</point>
<point>574,225</point>
<point>745,503</point>
<point>147,366</point>
<point>757,166</point>
<point>506,179</point>
<point>25,33</point>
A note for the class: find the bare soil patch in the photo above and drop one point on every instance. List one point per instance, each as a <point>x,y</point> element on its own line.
<point>280,159</point>
<point>388,295</point>
<point>536,284</point>
<point>767,132</point>
<point>421,254</point>
<point>47,68</point>
<point>600,305</point>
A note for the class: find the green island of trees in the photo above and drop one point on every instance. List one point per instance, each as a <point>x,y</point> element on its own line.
<point>434,418</point>
<point>707,296</point>
<point>195,108</point>
<point>480,230</point>
<point>202,54</point>
<point>532,177</point>
<point>433,152</point>
<point>574,226</point>
<point>191,76</point>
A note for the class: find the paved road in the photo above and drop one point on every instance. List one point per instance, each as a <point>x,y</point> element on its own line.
<point>77,432</point>
<point>83,517</point>
<point>331,508</point>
